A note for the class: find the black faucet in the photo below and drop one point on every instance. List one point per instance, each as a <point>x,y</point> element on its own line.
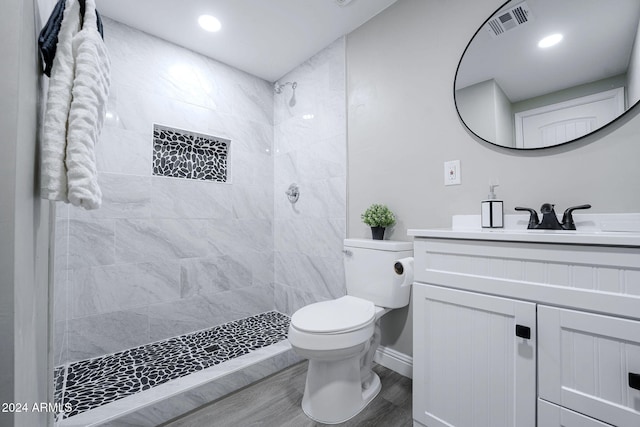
<point>549,218</point>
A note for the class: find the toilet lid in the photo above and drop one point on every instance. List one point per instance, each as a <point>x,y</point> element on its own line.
<point>339,315</point>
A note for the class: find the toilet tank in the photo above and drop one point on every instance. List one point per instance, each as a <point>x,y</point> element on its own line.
<point>370,273</point>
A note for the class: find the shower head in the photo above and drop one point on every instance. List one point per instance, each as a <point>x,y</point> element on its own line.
<point>279,87</point>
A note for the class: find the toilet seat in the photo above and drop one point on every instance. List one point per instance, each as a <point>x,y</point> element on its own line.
<point>337,316</point>
<point>346,322</point>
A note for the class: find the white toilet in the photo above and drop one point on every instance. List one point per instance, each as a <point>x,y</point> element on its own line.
<point>340,337</point>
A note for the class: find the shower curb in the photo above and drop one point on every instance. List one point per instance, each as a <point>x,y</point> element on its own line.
<point>177,397</point>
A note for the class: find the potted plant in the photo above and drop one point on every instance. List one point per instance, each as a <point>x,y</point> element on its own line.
<point>378,217</point>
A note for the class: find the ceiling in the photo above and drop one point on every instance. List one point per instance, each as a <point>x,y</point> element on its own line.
<point>266,38</point>
<point>598,38</point>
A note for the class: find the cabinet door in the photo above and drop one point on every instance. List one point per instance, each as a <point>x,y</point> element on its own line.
<point>591,364</point>
<point>469,367</point>
<point>550,415</point>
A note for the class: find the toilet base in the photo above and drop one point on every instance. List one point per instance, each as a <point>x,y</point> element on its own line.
<point>333,392</point>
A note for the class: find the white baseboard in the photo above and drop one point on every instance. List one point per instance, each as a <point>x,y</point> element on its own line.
<point>394,360</point>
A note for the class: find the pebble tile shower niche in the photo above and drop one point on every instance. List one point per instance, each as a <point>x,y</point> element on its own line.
<point>83,386</point>
<point>180,153</point>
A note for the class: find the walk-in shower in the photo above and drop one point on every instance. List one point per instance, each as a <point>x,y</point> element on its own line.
<point>177,291</point>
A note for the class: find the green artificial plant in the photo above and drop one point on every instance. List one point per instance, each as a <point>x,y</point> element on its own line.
<point>378,216</point>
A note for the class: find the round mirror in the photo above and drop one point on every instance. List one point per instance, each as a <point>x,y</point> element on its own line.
<point>540,73</point>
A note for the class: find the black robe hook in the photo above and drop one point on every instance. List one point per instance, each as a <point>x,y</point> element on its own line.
<point>83,6</point>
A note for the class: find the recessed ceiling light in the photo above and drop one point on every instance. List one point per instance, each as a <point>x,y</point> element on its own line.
<point>550,40</point>
<point>209,23</point>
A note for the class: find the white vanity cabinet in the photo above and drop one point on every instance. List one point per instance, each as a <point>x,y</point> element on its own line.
<point>590,363</point>
<point>470,368</point>
<point>526,331</point>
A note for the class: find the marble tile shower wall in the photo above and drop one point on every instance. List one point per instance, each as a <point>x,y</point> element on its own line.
<point>167,256</point>
<point>310,150</point>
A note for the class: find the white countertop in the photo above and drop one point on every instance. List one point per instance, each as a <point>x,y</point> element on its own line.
<point>592,229</point>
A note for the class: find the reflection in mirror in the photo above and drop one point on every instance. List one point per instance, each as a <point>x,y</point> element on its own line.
<point>515,90</point>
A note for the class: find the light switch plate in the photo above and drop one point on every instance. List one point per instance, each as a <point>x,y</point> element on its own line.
<point>452,172</point>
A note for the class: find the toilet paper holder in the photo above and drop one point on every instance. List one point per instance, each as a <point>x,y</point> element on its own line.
<point>404,269</point>
<point>399,268</point>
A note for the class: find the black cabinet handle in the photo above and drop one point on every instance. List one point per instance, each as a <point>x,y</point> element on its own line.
<point>634,380</point>
<point>524,332</point>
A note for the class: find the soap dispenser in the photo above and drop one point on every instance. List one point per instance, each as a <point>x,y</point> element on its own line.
<point>492,210</point>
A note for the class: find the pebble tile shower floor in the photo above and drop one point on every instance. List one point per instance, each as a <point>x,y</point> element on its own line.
<point>88,384</point>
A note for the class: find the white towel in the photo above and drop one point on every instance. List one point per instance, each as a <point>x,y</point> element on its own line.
<point>87,112</point>
<point>53,171</point>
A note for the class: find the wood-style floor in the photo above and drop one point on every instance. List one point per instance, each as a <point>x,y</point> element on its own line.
<point>275,402</point>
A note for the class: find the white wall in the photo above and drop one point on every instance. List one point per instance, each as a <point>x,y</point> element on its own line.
<point>505,126</point>
<point>402,126</point>
<point>24,307</point>
<point>487,111</point>
<point>310,150</point>
<point>474,104</point>
<point>572,93</point>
